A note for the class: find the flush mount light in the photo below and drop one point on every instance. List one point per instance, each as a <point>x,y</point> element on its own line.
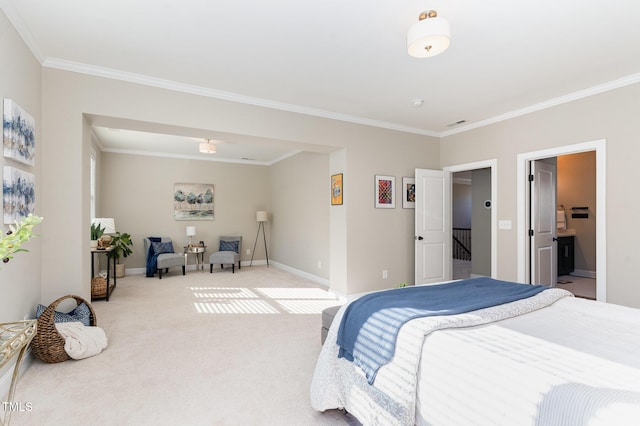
<point>429,36</point>
<point>417,103</point>
<point>208,147</point>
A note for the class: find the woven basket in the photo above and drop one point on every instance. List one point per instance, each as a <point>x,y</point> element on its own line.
<point>48,344</point>
<point>98,287</point>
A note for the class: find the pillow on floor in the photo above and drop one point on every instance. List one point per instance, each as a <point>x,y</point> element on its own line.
<point>81,313</point>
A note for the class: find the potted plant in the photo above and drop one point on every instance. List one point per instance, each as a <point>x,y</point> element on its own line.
<point>96,232</point>
<point>122,248</point>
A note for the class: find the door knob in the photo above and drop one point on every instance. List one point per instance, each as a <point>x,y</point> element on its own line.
<point>555,239</point>
<point>419,238</point>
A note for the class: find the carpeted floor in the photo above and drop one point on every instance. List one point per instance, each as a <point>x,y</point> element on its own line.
<point>200,349</point>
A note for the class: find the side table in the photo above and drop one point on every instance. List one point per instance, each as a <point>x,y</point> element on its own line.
<point>14,340</point>
<point>199,252</point>
<point>107,251</point>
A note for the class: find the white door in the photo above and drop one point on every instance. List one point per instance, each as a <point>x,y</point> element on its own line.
<point>432,226</point>
<point>544,260</point>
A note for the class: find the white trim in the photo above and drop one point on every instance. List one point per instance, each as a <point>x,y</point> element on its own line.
<point>599,146</point>
<point>493,165</point>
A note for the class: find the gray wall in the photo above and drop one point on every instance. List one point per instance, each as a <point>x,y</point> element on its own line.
<point>20,81</point>
<point>480,223</point>
<point>612,116</point>
<point>143,206</point>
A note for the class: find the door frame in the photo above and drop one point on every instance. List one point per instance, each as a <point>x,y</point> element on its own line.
<point>523,201</point>
<point>493,165</point>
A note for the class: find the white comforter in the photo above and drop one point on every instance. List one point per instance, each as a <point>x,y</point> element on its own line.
<point>391,399</point>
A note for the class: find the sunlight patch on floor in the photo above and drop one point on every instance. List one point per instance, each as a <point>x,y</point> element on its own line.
<point>238,300</point>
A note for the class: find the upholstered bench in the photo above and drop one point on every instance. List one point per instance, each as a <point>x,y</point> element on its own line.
<point>327,318</point>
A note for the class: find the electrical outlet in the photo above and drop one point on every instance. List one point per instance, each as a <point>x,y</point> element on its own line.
<point>319,264</point>
<point>248,252</point>
<point>385,274</point>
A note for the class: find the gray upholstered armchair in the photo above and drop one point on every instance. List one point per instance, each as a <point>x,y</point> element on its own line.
<point>166,258</point>
<point>228,253</point>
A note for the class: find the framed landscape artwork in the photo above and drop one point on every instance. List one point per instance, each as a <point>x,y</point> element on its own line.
<point>193,201</point>
<point>385,192</point>
<point>336,189</point>
<point>18,134</point>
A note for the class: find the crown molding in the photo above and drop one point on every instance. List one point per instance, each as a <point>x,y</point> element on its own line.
<point>581,94</point>
<point>218,94</point>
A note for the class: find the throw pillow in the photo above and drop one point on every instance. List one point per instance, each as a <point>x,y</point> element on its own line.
<point>81,313</point>
<point>159,248</point>
<point>229,246</point>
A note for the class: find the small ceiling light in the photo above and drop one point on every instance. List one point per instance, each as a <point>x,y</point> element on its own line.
<point>417,103</point>
<point>429,36</point>
<point>208,147</point>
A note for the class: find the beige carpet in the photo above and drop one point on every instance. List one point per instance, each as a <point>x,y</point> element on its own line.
<point>200,349</point>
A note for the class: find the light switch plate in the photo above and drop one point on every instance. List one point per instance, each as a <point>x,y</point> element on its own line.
<point>504,224</point>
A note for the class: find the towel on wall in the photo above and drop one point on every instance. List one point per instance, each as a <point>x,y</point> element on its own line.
<point>81,341</point>
<point>561,219</point>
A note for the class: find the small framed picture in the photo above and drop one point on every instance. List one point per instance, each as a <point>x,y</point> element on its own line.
<point>336,189</point>
<point>408,193</point>
<point>385,192</point>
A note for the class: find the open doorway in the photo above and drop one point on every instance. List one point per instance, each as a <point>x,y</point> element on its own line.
<point>474,218</point>
<point>579,202</point>
<point>471,223</point>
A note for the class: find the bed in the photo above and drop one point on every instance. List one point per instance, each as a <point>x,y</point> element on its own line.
<point>548,359</point>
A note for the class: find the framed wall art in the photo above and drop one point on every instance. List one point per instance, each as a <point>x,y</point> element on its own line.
<point>336,189</point>
<point>18,134</point>
<point>408,193</point>
<point>385,192</point>
<point>18,194</point>
<point>193,201</point>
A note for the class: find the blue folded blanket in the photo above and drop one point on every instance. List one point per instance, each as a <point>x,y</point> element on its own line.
<point>152,257</point>
<point>370,325</point>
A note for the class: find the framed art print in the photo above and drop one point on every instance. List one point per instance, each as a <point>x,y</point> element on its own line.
<point>385,192</point>
<point>336,189</point>
<point>18,194</point>
<point>408,193</point>
<point>18,134</point>
<point>193,201</point>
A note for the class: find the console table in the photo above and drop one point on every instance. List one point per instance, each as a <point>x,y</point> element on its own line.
<point>107,251</point>
<point>199,252</point>
<point>14,340</point>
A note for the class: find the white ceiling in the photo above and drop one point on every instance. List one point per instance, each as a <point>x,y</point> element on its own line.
<point>344,59</point>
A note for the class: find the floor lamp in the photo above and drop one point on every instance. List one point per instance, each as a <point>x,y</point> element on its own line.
<point>261,217</point>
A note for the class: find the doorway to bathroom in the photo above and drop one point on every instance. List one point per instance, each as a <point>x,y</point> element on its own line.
<point>561,235</point>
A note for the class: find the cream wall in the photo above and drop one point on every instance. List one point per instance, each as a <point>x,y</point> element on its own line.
<point>138,192</point>
<point>20,81</point>
<point>70,100</point>
<point>611,116</point>
<point>298,227</point>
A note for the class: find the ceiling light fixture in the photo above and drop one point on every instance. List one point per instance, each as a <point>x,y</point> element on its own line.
<point>429,36</point>
<point>208,147</point>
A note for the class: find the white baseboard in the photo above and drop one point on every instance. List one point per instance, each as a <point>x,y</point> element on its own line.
<point>583,273</point>
<point>7,375</point>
